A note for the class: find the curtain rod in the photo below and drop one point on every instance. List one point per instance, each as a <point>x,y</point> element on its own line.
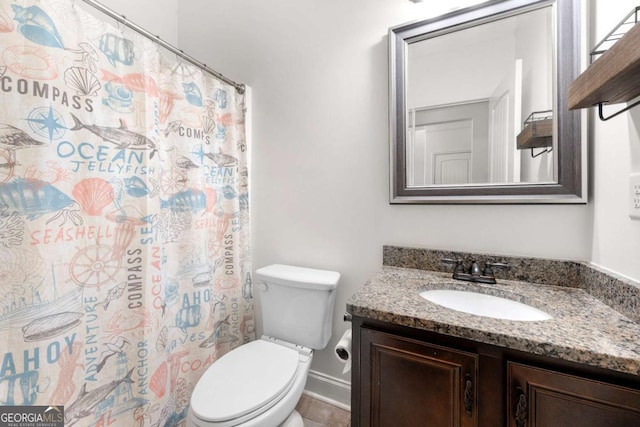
<point>156,39</point>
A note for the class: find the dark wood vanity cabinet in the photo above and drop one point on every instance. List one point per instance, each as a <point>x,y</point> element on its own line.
<point>544,398</point>
<point>404,377</point>
<point>411,383</point>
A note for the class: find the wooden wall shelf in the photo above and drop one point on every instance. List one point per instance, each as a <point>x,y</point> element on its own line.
<point>612,78</point>
<point>536,134</point>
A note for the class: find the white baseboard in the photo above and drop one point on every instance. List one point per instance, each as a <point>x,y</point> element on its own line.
<point>328,389</point>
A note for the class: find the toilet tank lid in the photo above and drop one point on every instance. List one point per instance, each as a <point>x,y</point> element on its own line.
<point>289,275</point>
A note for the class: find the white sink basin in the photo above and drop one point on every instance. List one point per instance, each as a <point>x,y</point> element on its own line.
<point>484,305</point>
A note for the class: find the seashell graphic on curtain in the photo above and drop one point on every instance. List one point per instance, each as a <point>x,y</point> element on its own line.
<point>124,220</point>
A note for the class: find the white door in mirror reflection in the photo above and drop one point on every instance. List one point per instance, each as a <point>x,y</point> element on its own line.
<point>441,153</point>
<point>452,168</point>
<point>448,145</point>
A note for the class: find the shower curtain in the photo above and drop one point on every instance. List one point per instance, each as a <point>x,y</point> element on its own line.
<point>124,219</point>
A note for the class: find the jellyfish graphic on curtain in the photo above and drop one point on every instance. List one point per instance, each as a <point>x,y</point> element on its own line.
<point>124,220</point>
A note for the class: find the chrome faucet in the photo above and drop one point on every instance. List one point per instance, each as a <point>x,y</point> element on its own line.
<point>474,273</point>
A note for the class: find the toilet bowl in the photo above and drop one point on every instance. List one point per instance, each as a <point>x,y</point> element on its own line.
<point>259,383</point>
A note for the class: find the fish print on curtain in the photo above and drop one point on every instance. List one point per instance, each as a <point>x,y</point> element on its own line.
<point>124,219</point>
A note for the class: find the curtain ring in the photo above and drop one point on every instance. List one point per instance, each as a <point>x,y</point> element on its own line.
<point>156,41</point>
<point>122,24</point>
<point>178,63</point>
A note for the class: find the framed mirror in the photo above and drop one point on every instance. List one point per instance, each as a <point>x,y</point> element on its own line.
<point>478,106</point>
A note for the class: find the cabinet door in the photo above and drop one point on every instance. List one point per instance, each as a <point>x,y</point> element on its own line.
<point>542,398</point>
<point>409,383</point>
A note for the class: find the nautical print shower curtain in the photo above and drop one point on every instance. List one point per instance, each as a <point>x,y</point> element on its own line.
<point>124,239</point>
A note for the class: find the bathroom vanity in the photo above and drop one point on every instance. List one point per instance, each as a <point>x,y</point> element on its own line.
<point>416,363</point>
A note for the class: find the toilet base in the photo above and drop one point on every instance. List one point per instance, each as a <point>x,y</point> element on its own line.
<point>293,420</point>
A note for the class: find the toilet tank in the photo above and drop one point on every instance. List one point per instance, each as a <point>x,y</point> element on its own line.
<point>297,303</point>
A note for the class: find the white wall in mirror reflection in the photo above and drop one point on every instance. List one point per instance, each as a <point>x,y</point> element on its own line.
<point>508,65</point>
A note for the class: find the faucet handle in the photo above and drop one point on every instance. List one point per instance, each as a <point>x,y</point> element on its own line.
<point>489,266</point>
<point>458,262</point>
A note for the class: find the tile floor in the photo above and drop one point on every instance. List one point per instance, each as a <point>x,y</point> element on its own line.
<point>316,413</point>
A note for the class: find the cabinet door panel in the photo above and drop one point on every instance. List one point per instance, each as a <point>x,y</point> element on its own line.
<point>410,383</point>
<point>543,398</point>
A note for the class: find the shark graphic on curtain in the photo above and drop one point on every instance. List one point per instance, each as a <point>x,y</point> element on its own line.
<point>124,219</point>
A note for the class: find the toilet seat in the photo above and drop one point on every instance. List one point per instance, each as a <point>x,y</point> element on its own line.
<point>244,383</point>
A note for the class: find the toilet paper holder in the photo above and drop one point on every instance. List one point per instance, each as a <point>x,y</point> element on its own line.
<point>342,354</point>
<point>347,317</point>
<point>343,350</point>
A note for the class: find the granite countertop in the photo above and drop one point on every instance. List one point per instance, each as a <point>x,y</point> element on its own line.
<point>583,329</point>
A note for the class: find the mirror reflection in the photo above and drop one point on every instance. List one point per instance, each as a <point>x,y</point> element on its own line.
<point>491,85</point>
<point>479,104</point>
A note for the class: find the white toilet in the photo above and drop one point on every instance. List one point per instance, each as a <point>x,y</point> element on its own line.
<point>259,383</point>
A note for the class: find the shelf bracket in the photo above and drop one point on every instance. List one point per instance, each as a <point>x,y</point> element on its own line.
<point>617,113</point>
<point>546,150</point>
